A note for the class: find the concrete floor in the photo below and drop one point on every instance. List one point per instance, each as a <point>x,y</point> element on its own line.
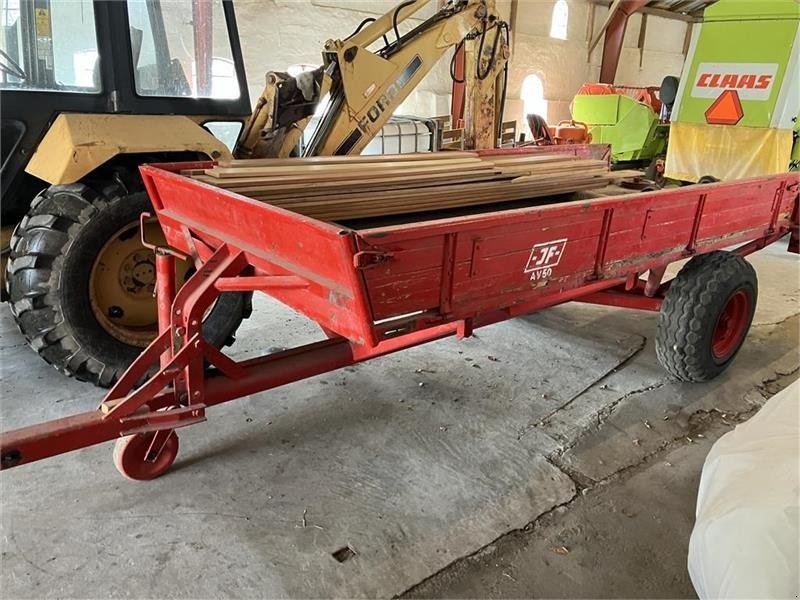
<point>550,456</point>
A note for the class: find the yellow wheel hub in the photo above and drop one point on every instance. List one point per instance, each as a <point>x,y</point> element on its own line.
<point>122,285</point>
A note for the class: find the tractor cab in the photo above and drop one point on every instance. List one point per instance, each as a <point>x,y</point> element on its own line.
<point>89,91</point>
<point>137,57</point>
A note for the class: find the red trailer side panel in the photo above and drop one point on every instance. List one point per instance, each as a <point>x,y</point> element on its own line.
<point>275,241</point>
<point>463,266</point>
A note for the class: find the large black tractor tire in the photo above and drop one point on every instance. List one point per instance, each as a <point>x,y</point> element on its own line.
<point>706,315</point>
<point>53,251</point>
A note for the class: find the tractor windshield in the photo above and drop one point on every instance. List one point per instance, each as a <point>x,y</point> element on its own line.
<point>48,46</point>
<point>181,48</point>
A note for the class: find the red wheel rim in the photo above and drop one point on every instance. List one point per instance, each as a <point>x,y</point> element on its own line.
<point>731,326</point>
<point>146,455</point>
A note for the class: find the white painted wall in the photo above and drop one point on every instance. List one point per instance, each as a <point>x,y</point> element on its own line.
<point>663,51</point>
<point>562,64</point>
<point>279,33</point>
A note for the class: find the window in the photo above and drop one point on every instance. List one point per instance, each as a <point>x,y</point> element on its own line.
<point>533,97</point>
<point>48,46</point>
<point>295,70</point>
<point>223,79</point>
<point>560,20</point>
<point>181,48</point>
<point>226,132</point>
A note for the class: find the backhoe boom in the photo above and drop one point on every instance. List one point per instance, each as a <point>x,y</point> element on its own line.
<point>360,88</point>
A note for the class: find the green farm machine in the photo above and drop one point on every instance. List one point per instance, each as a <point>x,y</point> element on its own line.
<point>737,107</point>
<point>734,112</point>
<point>630,119</point>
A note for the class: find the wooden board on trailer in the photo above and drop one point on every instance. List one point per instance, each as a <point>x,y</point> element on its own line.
<point>341,188</point>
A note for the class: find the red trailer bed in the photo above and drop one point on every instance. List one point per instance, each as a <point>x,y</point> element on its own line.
<point>380,289</point>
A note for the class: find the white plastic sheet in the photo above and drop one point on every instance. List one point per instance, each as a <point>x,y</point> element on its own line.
<point>746,538</point>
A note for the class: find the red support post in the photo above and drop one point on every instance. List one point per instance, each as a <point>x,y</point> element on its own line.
<point>165,295</point>
<point>623,299</point>
<point>654,281</point>
<point>614,37</point>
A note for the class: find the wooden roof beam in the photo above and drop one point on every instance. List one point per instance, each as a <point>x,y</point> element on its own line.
<point>656,12</point>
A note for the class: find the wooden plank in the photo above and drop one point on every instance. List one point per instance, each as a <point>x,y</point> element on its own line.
<point>555,168</point>
<point>344,188</point>
<point>314,192</point>
<point>462,195</point>
<point>387,183</point>
<point>612,10</point>
<point>334,160</point>
<point>371,210</point>
<point>642,38</point>
<point>333,214</point>
<point>292,182</point>
<point>501,187</point>
<point>353,210</point>
<point>546,158</point>
<point>658,12</point>
<point>346,170</point>
<point>309,178</point>
<point>624,174</point>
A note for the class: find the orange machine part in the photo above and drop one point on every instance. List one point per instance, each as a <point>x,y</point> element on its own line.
<point>645,95</point>
<point>571,132</point>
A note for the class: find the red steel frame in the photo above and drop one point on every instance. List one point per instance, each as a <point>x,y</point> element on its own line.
<point>380,290</point>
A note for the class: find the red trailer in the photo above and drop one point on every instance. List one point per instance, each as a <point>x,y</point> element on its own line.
<point>383,288</point>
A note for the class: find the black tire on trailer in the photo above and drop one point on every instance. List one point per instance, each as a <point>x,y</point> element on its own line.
<point>706,315</point>
<point>54,251</point>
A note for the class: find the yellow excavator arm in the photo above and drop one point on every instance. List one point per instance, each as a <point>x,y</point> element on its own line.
<point>356,90</point>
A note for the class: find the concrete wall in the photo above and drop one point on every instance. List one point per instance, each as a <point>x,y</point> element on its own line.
<point>279,33</point>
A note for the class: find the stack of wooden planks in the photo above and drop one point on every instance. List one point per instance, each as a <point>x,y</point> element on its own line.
<point>353,187</point>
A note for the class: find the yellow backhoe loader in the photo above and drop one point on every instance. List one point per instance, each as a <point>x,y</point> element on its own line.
<point>89,94</point>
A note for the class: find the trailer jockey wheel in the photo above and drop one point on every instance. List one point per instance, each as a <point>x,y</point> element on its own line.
<point>706,315</point>
<point>147,455</point>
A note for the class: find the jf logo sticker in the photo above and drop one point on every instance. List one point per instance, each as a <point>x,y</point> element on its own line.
<point>543,258</point>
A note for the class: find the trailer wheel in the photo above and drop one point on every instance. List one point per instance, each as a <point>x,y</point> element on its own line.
<point>706,315</point>
<point>705,179</point>
<point>81,284</point>
<point>145,456</point>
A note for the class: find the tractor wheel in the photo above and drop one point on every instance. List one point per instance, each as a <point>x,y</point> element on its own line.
<point>81,284</point>
<point>706,315</point>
